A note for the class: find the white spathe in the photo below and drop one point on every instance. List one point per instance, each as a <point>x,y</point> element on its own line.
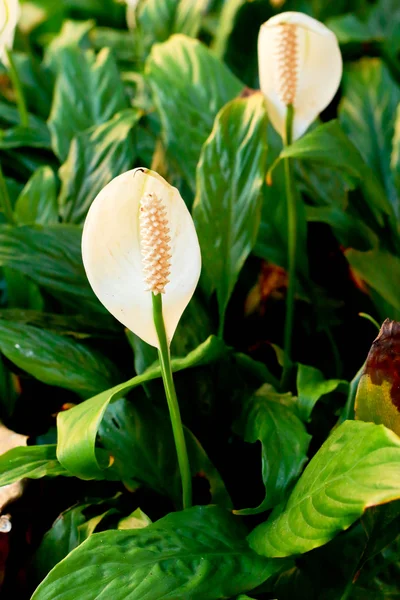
<point>113,260</point>
<point>9,15</point>
<point>318,68</point>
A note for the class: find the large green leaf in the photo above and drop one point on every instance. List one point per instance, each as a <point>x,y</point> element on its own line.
<point>367,113</point>
<point>78,427</point>
<point>88,92</point>
<point>21,137</point>
<point>199,553</point>
<point>56,360</point>
<point>381,271</point>
<point>271,418</point>
<point>158,19</point>
<point>96,156</point>
<point>357,467</point>
<point>139,438</point>
<point>329,145</point>
<point>190,85</point>
<point>70,529</point>
<point>37,203</point>
<point>32,462</point>
<point>311,385</point>
<point>230,177</point>
<point>51,257</point>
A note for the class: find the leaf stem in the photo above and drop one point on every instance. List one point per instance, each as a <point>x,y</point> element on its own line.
<point>173,406</point>
<point>292,247</point>
<point>16,81</point>
<point>5,203</point>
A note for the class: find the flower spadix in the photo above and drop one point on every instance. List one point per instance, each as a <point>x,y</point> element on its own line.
<point>9,15</point>
<point>139,239</point>
<point>299,64</point>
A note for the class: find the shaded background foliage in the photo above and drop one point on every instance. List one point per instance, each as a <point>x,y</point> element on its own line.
<point>103,99</point>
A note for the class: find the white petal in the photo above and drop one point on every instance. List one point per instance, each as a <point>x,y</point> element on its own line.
<point>319,70</point>
<point>113,261</point>
<point>9,15</point>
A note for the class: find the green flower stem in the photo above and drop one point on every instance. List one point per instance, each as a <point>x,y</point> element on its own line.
<point>292,247</point>
<point>16,81</point>
<point>173,406</point>
<point>5,203</point>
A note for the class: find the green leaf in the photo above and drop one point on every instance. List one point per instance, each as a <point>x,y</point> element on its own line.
<point>380,270</point>
<point>32,462</point>
<point>311,385</point>
<point>139,438</point>
<point>59,541</point>
<point>37,203</point>
<point>186,546</point>
<point>381,524</point>
<point>29,137</point>
<point>228,16</point>
<point>56,360</point>
<point>137,520</point>
<point>329,145</point>
<point>78,427</point>
<point>189,83</point>
<point>88,92</point>
<point>395,158</point>
<point>227,208</point>
<point>70,529</point>
<point>271,418</point>
<point>51,257</point>
<point>73,34</point>
<point>357,467</point>
<point>159,19</point>
<point>367,113</point>
<point>96,156</point>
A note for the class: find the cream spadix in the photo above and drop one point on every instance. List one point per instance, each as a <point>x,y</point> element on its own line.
<point>139,239</point>
<point>9,15</point>
<point>300,64</point>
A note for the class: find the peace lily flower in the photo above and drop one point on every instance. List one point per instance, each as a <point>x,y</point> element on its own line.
<point>300,65</point>
<point>138,241</point>
<point>9,15</point>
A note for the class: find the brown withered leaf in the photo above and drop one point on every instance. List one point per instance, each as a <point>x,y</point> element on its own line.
<point>272,282</point>
<point>378,394</point>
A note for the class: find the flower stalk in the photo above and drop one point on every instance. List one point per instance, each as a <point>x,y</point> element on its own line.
<point>17,85</point>
<point>292,247</point>
<point>172,400</point>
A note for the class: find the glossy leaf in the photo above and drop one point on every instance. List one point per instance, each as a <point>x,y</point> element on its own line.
<point>21,137</point>
<point>37,203</point>
<point>378,398</point>
<point>32,462</point>
<point>380,270</point>
<point>271,418</point>
<point>137,520</point>
<point>51,257</point>
<point>311,385</point>
<point>188,544</point>
<point>187,79</point>
<point>139,438</point>
<point>230,177</point>
<point>357,467</point>
<point>367,113</point>
<point>96,156</point>
<point>88,92</point>
<point>56,360</point>
<point>71,528</point>
<point>158,19</point>
<point>78,427</point>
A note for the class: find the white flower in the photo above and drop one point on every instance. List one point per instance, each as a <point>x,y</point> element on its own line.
<point>139,238</point>
<point>299,63</point>
<point>9,15</point>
